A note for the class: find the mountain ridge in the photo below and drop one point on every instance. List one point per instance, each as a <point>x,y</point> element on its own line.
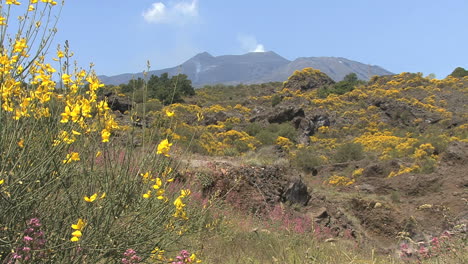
<point>254,67</point>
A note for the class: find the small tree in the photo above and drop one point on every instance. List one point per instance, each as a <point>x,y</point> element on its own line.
<point>132,85</point>
<point>351,78</point>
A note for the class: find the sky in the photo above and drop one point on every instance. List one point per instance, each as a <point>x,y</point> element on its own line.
<point>120,36</point>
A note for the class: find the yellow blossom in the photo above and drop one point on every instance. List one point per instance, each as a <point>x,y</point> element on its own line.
<point>169,113</point>
<point>178,203</point>
<point>185,193</point>
<point>146,175</point>
<point>51,2</point>
<point>77,233</point>
<point>2,181</point>
<point>164,147</point>
<point>72,112</point>
<point>147,195</point>
<point>94,83</point>
<point>199,117</point>
<point>12,2</point>
<point>105,134</point>
<point>358,172</point>
<point>74,156</point>
<point>194,259</point>
<point>20,45</point>
<point>91,198</point>
<point>158,184</point>
<point>66,78</point>
<point>78,227</point>
<point>160,194</point>
<point>167,171</point>
<point>21,143</point>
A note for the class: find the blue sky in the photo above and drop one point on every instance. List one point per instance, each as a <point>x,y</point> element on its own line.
<point>119,36</point>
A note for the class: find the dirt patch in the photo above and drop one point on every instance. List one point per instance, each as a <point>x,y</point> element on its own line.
<point>380,219</point>
<point>251,189</point>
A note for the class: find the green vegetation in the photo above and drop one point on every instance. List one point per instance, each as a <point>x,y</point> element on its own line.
<point>166,90</point>
<point>459,72</point>
<point>349,152</point>
<point>269,134</point>
<point>307,159</point>
<point>348,84</point>
<point>275,100</point>
<point>232,94</point>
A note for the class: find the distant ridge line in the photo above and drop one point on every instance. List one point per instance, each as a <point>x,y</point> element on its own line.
<point>254,67</point>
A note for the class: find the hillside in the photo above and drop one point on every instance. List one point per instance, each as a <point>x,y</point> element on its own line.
<point>255,67</point>
<point>384,162</point>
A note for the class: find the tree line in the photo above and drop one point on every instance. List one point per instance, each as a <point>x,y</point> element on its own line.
<point>166,89</point>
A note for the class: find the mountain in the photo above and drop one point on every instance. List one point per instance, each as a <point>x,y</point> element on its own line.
<point>254,67</point>
<point>335,68</point>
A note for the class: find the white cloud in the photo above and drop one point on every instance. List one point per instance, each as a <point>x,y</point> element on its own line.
<point>178,13</point>
<point>156,14</point>
<point>249,43</point>
<point>188,9</point>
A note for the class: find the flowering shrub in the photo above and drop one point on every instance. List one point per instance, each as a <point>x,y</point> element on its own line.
<point>60,162</point>
<point>220,143</point>
<point>284,143</point>
<point>438,246</point>
<point>33,245</point>
<point>185,257</point>
<point>386,144</point>
<point>337,180</point>
<point>131,257</point>
<point>404,169</point>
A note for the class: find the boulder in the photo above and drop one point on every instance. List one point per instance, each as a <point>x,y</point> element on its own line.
<point>308,127</point>
<point>297,193</point>
<point>258,114</point>
<point>318,214</point>
<point>303,126</point>
<point>319,121</point>
<point>118,103</point>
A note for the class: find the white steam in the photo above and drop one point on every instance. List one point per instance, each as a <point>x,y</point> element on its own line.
<point>250,44</point>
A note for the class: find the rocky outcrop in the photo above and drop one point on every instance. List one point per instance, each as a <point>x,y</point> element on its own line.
<point>297,193</point>
<point>285,114</point>
<point>404,115</point>
<point>456,153</point>
<point>279,114</point>
<point>308,127</point>
<point>214,118</point>
<point>307,79</point>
